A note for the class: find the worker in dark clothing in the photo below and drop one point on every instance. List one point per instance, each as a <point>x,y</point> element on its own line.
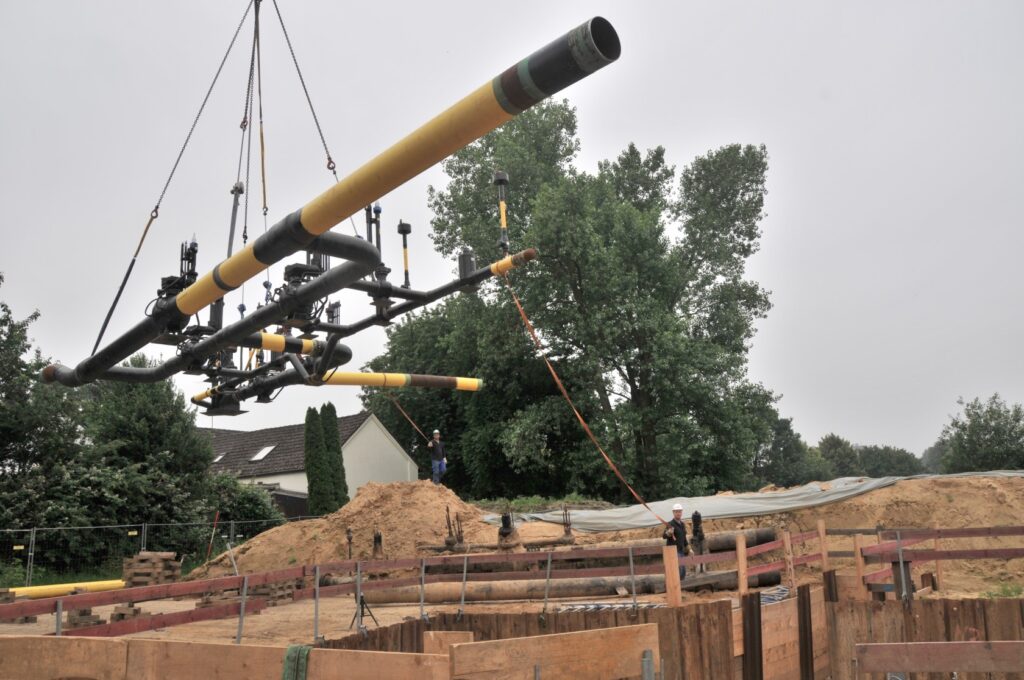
<point>675,534</point>
<point>438,457</point>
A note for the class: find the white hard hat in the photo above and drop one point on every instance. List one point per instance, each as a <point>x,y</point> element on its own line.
<point>677,506</point>
<point>437,431</point>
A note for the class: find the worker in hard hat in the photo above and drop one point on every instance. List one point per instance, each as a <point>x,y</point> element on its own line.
<point>675,534</point>
<point>438,457</point>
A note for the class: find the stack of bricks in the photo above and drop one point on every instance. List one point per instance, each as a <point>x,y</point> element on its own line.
<point>218,597</point>
<point>125,611</point>
<point>7,597</point>
<point>274,593</point>
<point>81,618</point>
<point>150,569</point>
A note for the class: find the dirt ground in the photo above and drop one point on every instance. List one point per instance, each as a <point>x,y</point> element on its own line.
<point>411,514</point>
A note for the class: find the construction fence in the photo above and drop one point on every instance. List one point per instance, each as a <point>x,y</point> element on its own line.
<point>43,555</point>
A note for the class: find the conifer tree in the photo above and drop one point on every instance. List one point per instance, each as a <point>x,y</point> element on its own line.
<point>318,471</point>
<point>332,442</point>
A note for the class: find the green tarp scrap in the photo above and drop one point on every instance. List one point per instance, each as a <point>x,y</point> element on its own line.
<point>296,660</point>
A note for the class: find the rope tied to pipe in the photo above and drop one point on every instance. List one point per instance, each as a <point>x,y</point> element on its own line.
<point>576,412</point>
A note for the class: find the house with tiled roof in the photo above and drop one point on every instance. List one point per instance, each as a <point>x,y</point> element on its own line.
<point>274,457</point>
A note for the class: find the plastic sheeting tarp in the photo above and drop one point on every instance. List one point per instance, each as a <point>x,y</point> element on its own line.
<point>734,505</point>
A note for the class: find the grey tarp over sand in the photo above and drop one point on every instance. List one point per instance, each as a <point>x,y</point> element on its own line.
<point>734,505</point>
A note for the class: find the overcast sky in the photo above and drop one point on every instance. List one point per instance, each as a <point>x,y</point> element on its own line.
<point>893,233</point>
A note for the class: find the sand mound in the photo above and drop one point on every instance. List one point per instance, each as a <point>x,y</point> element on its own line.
<point>406,513</point>
<point>414,512</point>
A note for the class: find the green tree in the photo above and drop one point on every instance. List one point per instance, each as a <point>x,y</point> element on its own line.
<point>149,430</point>
<point>988,435</point>
<point>332,443</point>
<point>885,461</point>
<point>642,302</point>
<point>841,455</point>
<point>319,476</point>
<point>247,504</point>
<point>932,457</point>
<point>786,462</point>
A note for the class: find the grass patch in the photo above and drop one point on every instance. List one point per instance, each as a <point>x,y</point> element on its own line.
<point>1007,590</point>
<point>541,504</point>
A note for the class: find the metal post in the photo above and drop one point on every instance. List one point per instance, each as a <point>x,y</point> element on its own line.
<point>231,531</point>
<point>60,615</point>
<point>31,557</point>
<point>536,671</point>
<point>231,556</point>
<point>547,589</point>
<point>903,575</point>
<point>647,665</point>
<point>316,604</point>
<point>462,600</point>
<point>632,578</point>
<point>423,583</point>
<point>145,536</point>
<point>359,596</point>
<point>241,609</point>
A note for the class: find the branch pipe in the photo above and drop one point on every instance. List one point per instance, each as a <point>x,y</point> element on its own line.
<point>568,59</point>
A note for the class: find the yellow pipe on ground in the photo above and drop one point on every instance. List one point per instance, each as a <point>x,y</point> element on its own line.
<point>58,589</point>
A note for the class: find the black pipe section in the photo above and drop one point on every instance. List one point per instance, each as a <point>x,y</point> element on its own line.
<point>476,277</point>
<point>362,256</point>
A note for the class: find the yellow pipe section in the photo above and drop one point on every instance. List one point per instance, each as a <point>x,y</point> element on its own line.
<point>58,589</point>
<point>465,122</point>
<point>402,380</point>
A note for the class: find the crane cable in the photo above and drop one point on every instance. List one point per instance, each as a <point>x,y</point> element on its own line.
<point>565,393</point>
<point>155,213</point>
<point>331,166</point>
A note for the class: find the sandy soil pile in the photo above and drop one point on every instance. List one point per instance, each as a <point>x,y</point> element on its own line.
<point>406,513</point>
<point>409,513</point>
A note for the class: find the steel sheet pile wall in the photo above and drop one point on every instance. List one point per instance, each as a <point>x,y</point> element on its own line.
<point>920,621</point>
<point>695,640</point>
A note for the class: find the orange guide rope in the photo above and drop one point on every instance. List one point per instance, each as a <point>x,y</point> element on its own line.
<point>411,421</point>
<point>565,393</point>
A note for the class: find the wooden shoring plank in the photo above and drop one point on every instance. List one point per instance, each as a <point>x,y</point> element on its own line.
<point>168,659</point>
<point>925,622</point>
<point>1003,619</point>
<point>858,556</point>
<point>753,669</point>
<point>716,637</point>
<point>31,657</point>
<point>932,555</point>
<point>593,654</point>
<point>805,632</point>
<point>673,591</point>
<point>806,559</point>
<point>787,548</point>
<point>144,623</point>
<point>804,536</point>
<point>876,576</point>
<point>889,546</point>
<point>960,657</point>
<point>688,620</point>
<point>337,664</point>
<point>965,532</point>
<point>668,640</point>
<point>764,547</point>
<point>765,568</point>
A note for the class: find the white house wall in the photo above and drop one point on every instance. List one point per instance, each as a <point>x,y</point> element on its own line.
<point>370,454</point>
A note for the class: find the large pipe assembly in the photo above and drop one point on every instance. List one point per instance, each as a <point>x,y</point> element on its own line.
<point>580,52</point>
